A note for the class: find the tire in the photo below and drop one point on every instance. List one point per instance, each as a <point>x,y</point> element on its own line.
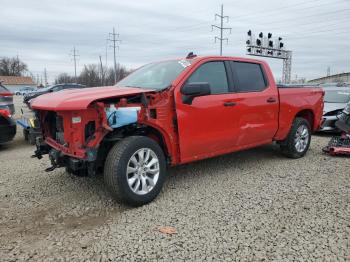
<point>290,146</point>
<point>25,134</point>
<point>145,181</point>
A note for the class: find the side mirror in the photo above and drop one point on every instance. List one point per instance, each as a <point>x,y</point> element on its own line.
<point>194,89</point>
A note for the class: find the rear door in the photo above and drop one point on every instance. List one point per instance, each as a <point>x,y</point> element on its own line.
<point>208,126</point>
<point>257,104</point>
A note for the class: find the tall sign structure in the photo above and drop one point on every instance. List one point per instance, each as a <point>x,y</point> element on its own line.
<point>267,47</point>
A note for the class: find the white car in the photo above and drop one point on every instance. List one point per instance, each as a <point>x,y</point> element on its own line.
<point>335,100</point>
<point>25,90</point>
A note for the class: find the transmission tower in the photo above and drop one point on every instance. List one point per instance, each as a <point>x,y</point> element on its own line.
<point>221,27</point>
<point>74,54</point>
<point>114,38</point>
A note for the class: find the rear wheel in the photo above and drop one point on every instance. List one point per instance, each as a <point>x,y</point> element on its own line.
<point>298,140</point>
<point>135,170</point>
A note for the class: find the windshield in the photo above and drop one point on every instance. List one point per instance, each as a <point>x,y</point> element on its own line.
<point>337,96</point>
<point>44,89</point>
<point>156,75</point>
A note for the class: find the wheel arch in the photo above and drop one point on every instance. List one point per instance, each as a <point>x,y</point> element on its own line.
<point>308,115</point>
<point>158,135</point>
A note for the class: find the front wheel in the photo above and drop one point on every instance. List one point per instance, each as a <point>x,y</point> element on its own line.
<point>298,140</point>
<point>135,170</point>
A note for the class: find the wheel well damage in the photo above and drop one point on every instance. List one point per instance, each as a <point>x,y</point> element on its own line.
<point>308,115</point>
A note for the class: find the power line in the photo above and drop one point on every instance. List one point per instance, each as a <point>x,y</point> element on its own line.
<point>114,38</point>
<point>306,16</point>
<point>269,12</point>
<point>74,54</point>
<point>221,27</point>
<point>265,14</point>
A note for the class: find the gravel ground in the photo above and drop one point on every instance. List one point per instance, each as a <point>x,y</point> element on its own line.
<point>253,205</point>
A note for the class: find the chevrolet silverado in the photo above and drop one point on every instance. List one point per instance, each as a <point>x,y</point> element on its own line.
<point>169,113</point>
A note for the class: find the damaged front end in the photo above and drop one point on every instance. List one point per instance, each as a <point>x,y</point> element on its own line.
<point>72,138</point>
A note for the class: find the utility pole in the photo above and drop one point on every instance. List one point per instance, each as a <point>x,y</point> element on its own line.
<point>74,54</point>
<point>221,27</point>
<point>45,77</point>
<point>113,37</point>
<point>328,71</point>
<point>101,69</point>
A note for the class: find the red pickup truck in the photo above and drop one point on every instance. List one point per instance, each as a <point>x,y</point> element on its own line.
<point>169,113</point>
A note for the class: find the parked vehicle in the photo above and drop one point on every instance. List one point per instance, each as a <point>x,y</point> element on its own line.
<point>170,113</point>
<point>6,100</point>
<point>29,123</point>
<point>335,101</point>
<point>54,88</point>
<point>25,90</point>
<point>28,120</point>
<point>7,126</point>
<point>340,145</point>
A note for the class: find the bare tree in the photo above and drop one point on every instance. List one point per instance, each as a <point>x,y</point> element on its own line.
<point>64,78</point>
<point>91,75</point>
<point>12,66</point>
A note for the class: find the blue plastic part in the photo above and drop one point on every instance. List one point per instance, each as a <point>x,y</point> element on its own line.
<point>122,116</point>
<point>23,123</point>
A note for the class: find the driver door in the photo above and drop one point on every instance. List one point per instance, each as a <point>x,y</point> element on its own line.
<point>208,125</point>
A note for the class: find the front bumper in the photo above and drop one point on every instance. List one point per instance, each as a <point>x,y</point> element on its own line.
<point>59,156</point>
<point>328,124</point>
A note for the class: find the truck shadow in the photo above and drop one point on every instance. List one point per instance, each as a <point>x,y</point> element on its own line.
<point>228,161</point>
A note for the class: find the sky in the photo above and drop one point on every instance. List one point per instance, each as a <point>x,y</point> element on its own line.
<point>43,33</point>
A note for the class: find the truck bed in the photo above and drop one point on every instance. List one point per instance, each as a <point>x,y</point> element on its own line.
<point>295,99</point>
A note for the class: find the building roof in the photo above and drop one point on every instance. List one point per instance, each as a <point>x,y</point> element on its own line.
<point>16,80</point>
<point>328,77</point>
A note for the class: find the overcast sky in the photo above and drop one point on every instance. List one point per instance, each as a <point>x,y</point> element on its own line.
<point>42,33</point>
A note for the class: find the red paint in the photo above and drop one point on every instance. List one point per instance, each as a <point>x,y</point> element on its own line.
<point>5,113</point>
<point>204,129</point>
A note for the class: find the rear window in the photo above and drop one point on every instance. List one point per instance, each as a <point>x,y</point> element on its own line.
<point>337,96</point>
<point>248,77</point>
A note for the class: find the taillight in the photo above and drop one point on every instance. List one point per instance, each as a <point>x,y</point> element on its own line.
<point>5,112</point>
<point>6,94</point>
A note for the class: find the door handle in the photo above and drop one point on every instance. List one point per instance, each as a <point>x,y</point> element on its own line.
<point>230,104</point>
<point>271,100</point>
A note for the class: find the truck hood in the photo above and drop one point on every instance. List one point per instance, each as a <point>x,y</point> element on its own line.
<point>77,99</point>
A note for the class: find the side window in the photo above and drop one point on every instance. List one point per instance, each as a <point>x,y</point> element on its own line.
<point>57,88</point>
<point>248,77</point>
<point>213,73</point>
